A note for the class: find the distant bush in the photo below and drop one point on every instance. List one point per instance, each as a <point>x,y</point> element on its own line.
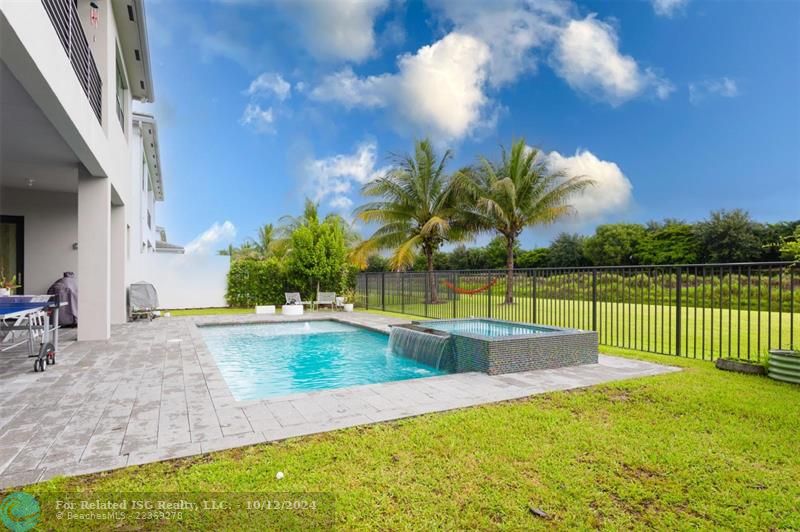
<point>256,282</point>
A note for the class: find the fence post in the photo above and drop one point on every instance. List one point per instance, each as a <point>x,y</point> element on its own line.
<point>594,300</point>
<point>678,284</point>
<point>383,291</point>
<point>366,291</point>
<point>454,280</point>
<point>427,291</point>
<point>489,293</point>
<point>533,298</point>
<point>403,292</point>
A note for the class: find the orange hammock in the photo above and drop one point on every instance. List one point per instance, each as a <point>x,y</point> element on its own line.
<point>458,290</point>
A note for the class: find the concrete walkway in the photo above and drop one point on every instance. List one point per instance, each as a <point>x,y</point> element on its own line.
<point>154,392</point>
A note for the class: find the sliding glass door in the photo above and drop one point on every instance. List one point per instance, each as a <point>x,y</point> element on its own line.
<point>12,250</point>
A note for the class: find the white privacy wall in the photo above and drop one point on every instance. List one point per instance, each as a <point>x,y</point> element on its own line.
<point>187,281</point>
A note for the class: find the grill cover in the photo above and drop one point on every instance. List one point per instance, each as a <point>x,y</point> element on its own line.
<point>142,296</point>
<point>67,290</point>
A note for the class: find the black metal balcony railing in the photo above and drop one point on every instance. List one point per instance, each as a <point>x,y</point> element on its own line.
<point>64,16</point>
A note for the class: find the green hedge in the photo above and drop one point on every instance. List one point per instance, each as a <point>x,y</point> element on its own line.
<point>256,282</point>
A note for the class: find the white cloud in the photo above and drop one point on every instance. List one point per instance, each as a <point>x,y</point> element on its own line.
<point>611,192</point>
<point>342,203</point>
<point>587,56</point>
<point>439,90</point>
<point>259,119</point>
<point>212,239</point>
<point>444,89</point>
<point>723,87</point>
<point>347,89</point>
<point>332,178</point>
<point>341,29</point>
<point>269,83</point>
<point>668,8</point>
<point>442,85</point>
<point>512,29</point>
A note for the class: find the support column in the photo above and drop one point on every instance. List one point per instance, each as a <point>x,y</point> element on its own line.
<point>119,312</point>
<point>94,257</point>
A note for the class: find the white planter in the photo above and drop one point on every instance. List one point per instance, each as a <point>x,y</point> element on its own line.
<point>4,292</point>
<point>348,307</point>
<point>265,309</point>
<point>292,310</point>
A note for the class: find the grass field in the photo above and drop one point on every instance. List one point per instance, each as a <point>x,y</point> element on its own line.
<point>706,332</point>
<point>700,448</point>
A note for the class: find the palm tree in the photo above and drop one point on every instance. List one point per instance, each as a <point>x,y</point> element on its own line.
<point>247,250</point>
<point>416,210</point>
<point>310,217</point>
<point>289,223</point>
<point>261,248</point>
<point>266,242</point>
<point>521,191</point>
<point>229,251</point>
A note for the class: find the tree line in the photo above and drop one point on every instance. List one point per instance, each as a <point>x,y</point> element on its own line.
<point>725,236</point>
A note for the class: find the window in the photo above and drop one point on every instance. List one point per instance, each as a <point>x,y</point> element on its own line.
<point>121,86</point>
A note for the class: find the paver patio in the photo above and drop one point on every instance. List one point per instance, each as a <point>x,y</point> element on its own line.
<point>154,392</point>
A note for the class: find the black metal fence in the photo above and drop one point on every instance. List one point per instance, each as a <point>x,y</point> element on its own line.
<point>702,311</point>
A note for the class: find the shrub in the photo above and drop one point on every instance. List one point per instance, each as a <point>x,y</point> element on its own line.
<point>318,258</point>
<point>256,282</point>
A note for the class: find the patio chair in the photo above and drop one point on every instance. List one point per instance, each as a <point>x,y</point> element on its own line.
<point>325,298</point>
<point>339,303</point>
<point>293,298</point>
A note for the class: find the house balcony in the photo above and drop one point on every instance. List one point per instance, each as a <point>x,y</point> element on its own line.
<point>66,22</point>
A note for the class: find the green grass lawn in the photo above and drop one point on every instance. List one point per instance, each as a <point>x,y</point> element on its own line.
<point>700,448</point>
<point>706,332</point>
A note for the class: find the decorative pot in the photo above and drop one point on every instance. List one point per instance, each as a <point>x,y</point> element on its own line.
<point>348,307</point>
<point>292,310</point>
<point>5,292</point>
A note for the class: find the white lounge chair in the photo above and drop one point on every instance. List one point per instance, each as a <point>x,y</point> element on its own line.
<point>293,298</point>
<point>325,298</point>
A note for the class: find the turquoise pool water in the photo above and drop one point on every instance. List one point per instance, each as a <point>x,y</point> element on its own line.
<point>492,329</point>
<point>270,360</point>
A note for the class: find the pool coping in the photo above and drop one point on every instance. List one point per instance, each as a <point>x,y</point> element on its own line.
<point>154,392</point>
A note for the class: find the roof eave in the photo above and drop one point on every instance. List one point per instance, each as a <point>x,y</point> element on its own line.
<point>132,28</point>
<point>153,153</point>
<point>145,50</point>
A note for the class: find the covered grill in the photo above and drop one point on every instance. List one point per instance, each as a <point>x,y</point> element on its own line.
<point>142,300</point>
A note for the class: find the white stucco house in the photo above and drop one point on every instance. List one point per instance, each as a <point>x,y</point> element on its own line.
<point>80,173</point>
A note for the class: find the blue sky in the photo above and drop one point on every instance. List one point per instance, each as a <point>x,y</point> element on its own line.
<point>674,107</point>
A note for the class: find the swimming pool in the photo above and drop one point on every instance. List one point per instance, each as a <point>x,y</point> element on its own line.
<point>270,360</point>
<point>490,328</point>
